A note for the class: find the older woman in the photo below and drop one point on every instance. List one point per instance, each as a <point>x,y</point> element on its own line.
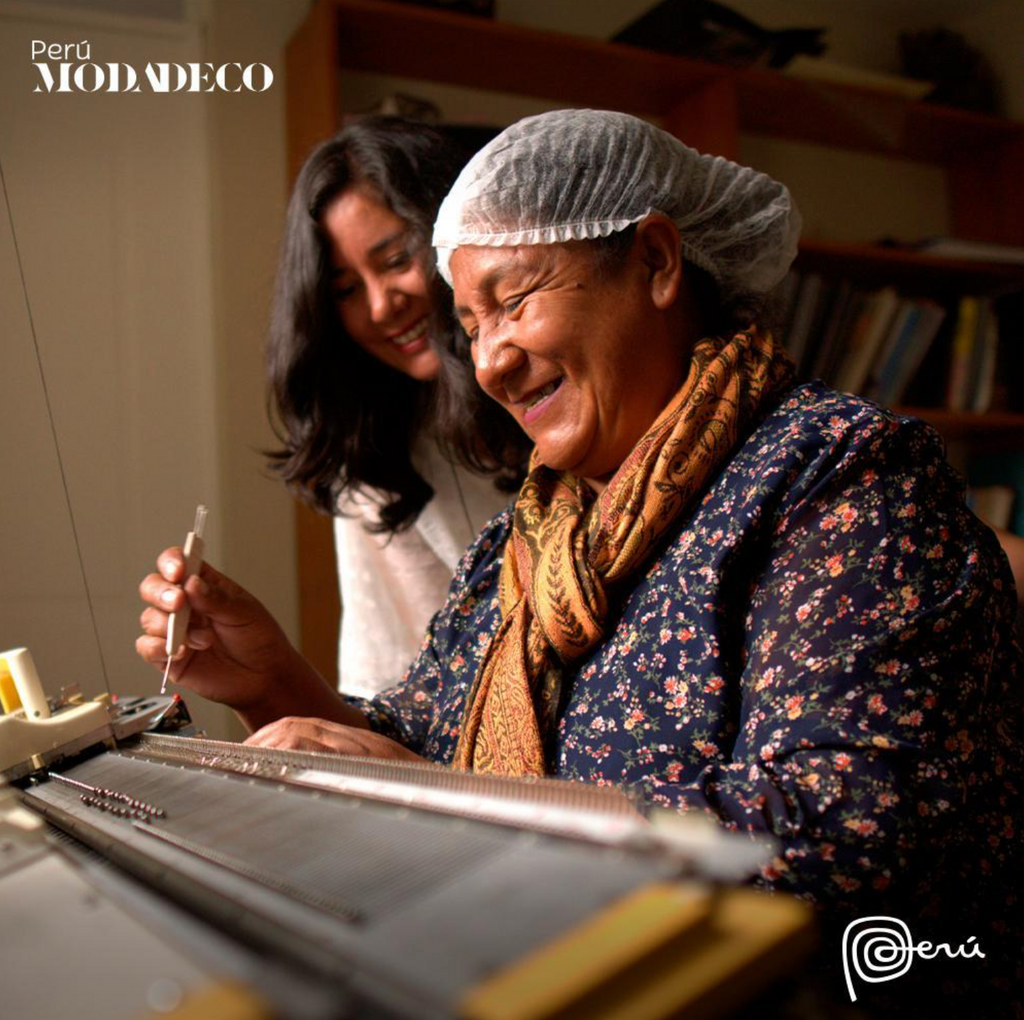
<point>729,593</point>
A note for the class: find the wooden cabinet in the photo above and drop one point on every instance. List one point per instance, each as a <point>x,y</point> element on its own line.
<point>705,105</point>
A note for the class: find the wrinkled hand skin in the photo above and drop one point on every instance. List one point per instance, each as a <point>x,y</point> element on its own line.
<point>294,733</point>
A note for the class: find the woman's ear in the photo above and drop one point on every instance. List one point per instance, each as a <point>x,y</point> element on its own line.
<point>657,245</point>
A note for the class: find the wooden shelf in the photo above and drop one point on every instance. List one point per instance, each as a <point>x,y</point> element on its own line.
<point>852,117</point>
<point>461,49</point>
<point>1004,429</point>
<point>877,265</point>
<point>704,104</point>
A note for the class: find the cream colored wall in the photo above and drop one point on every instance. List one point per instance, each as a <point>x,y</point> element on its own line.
<point>111,225</point>
<point>148,229</point>
<point>248,187</point>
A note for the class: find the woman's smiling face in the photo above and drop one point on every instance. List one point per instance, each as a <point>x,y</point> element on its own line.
<point>584,359</point>
<point>378,281</point>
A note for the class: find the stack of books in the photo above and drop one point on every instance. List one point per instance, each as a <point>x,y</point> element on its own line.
<point>873,342</point>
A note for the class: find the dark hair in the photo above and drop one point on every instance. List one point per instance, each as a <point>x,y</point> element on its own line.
<point>472,428</point>
<point>344,418</point>
<point>718,316</point>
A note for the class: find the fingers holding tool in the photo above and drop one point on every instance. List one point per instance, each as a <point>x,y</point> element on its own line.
<point>174,566</point>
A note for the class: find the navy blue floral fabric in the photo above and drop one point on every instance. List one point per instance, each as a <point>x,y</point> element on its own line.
<point>823,652</point>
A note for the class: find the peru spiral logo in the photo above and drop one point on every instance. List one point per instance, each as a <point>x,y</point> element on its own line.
<point>876,949</point>
<point>881,948</point>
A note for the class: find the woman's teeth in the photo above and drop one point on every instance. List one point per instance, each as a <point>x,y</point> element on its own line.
<point>414,332</point>
<point>542,393</point>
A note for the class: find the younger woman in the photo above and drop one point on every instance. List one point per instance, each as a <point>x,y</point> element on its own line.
<point>352,369</point>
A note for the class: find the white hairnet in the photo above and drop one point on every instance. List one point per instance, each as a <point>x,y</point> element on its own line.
<point>577,174</point>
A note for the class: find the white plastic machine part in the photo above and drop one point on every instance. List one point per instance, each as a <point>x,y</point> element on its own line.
<point>32,736</point>
<point>177,625</point>
<point>26,682</point>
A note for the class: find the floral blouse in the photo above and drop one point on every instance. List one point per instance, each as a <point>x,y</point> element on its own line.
<point>823,651</point>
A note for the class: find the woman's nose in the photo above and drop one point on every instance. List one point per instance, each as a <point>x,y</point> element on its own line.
<point>495,356</point>
<point>385,300</point>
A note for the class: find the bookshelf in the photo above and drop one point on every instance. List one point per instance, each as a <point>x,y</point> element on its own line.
<point>994,429</point>
<point>707,106</point>
<point>928,280</point>
<point>875,265</point>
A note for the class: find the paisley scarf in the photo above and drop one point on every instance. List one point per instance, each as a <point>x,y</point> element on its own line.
<point>570,553</point>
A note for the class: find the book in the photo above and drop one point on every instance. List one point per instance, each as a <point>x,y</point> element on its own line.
<point>842,314</point>
<point>866,339</point>
<point>802,320</point>
<point>785,296</point>
<point>912,347</point>
<point>970,251</point>
<point>816,69</point>
<point>958,379</point>
<point>993,504</point>
<point>983,364</point>
<point>884,368</point>
<point>1001,468</point>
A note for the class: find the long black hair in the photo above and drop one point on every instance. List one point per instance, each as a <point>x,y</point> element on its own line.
<point>345,419</point>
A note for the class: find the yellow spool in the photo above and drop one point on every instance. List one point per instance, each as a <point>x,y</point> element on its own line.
<point>8,692</point>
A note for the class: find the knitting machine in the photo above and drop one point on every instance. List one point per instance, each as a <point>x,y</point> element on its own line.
<point>178,876</point>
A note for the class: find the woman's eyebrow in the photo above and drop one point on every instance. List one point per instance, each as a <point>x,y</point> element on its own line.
<point>486,286</point>
<point>386,242</point>
<point>376,249</point>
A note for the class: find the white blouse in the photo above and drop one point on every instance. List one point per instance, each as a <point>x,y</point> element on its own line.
<point>392,585</point>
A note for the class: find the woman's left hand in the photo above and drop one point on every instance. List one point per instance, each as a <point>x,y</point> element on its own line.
<point>293,733</point>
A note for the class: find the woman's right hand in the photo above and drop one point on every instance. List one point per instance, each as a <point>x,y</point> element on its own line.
<point>235,652</point>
